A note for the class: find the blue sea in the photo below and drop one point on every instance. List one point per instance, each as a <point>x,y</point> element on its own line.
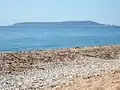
<point>37,38</point>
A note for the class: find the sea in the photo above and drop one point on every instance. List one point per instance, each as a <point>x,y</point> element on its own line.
<point>42,38</point>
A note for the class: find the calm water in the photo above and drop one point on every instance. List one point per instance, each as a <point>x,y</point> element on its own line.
<point>34,38</point>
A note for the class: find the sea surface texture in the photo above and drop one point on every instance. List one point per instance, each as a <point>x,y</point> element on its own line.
<point>18,38</point>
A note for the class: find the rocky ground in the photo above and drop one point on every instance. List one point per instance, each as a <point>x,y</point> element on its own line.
<point>54,69</point>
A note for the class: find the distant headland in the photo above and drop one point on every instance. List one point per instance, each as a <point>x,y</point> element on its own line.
<point>63,24</point>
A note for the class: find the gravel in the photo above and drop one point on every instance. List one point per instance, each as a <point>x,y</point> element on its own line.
<point>42,74</point>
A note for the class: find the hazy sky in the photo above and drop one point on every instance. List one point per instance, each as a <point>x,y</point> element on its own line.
<point>103,11</point>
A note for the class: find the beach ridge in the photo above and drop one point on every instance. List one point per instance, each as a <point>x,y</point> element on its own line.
<point>46,69</point>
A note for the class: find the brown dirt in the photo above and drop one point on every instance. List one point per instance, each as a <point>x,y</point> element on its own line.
<point>106,82</point>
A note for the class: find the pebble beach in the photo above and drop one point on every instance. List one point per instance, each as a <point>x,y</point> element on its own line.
<point>61,69</point>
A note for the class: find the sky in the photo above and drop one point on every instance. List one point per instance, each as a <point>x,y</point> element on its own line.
<point>102,11</point>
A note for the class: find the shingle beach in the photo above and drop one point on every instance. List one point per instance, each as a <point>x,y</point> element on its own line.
<point>61,69</point>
